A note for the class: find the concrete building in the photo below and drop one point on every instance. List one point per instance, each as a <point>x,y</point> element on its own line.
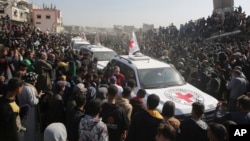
<point>48,19</point>
<point>15,10</point>
<point>146,27</point>
<point>128,29</point>
<point>222,6</point>
<point>118,29</point>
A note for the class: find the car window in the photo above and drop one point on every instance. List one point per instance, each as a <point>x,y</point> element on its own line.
<point>109,68</point>
<point>78,46</point>
<point>159,77</point>
<point>127,71</point>
<point>104,55</point>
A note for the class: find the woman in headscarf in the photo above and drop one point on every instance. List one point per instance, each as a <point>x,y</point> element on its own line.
<point>29,97</point>
<point>55,132</point>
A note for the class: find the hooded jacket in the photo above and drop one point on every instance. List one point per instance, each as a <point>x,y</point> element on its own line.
<point>92,129</point>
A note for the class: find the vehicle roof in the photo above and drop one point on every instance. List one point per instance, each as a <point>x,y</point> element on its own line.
<point>81,42</point>
<point>144,62</point>
<point>78,40</point>
<point>95,48</point>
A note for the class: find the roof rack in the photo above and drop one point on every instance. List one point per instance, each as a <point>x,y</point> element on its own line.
<point>139,56</point>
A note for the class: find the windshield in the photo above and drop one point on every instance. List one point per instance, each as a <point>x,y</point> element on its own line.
<point>159,78</point>
<point>78,46</point>
<point>104,55</point>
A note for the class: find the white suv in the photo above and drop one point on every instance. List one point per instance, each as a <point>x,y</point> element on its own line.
<point>77,42</point>
<point>164,80</point>
<point>103,54</point>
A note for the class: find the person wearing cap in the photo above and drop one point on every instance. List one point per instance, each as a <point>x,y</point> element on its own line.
<point>30,97</point>
<point>80,88</point>
<point>113,81</point>
<point>102,92</point>
<point>70,100</point>
<point>237,87</point>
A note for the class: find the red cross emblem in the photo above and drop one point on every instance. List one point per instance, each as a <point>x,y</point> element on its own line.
<point>185,97</point>
<point>131,43</point>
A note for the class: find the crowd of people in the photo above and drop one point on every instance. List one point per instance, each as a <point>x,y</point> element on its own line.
<point>50,92</point>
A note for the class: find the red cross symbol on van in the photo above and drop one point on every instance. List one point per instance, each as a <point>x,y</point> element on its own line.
<point>185,97</point>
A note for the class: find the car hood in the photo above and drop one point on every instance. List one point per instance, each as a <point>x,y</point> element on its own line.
<point>183,97</point>
<point>102,64</point>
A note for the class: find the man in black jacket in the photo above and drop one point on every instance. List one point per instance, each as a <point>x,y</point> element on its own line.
<point>74,115</point>
<point>145,123</point>
<point>114,116</point>
<point>194,129</point>
<point>9,111</point>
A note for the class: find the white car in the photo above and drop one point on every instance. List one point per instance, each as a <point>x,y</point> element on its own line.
<point>77,43</point>
<point>163,79</point>
<point>103,54</point>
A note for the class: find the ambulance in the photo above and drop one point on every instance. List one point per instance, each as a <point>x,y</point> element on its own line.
<point>164,80</point>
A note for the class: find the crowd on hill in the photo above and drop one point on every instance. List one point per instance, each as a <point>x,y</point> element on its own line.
<point>48,90</point>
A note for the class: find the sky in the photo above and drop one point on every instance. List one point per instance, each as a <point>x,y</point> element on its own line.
<point>106,13</point>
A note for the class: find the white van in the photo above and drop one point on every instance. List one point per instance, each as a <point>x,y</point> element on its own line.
<point>77,42</point>
<point>103,54</point>
<point>164,80</point>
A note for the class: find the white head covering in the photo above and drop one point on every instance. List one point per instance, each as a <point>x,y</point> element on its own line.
<point>55,132</point>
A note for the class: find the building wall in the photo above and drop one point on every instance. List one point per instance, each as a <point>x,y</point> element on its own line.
<point>128,29</point>
<point>220,4</point>
<point>47,19</point>
<point>16,10</point>
<point>146,27</point>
